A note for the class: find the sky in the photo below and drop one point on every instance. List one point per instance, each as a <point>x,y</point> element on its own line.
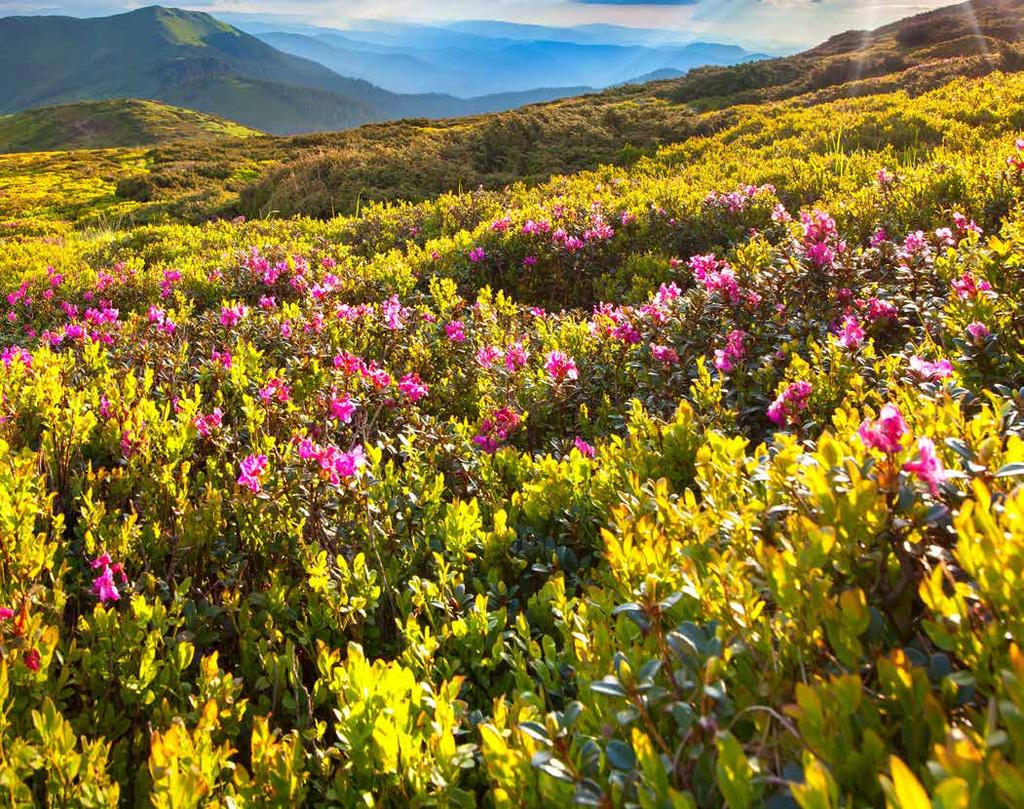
<point>769,22</point>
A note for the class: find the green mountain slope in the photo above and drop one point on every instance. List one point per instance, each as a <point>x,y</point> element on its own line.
<point>104,124</point>
<point>330,173</point>
<point>166,55</point>
<point>194,60</point>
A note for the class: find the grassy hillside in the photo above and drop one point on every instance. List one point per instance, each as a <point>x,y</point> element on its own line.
<point>692,482</point>
<point>326,174</point>
<point>106,124</point>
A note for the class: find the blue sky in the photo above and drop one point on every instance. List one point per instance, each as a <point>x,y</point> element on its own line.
<point>793,22</point>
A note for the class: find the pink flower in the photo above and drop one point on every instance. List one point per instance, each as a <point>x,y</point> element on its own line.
<point>275,388</point>
<point>879,237</point>
<point>516,356</point>
<point>32,659</point>
<point>885,433</point>
<point>252,469</point>
<point>412,387</point>
<point>232,314</point>
<point>561,367</point>
<point>585,449</point>
<point>206,424</point>
<point>486,356</point>
<point>878,309</point>
<point>495,429</point>
<point>104,588</point>
<point>978,330</point>
<point>725,358</point>
<point>790,403</point>
<point>221,357</point>
<point>665,354</point>
<point>16,354</point>
<point>931,371</point>
<point>477,254</point>
<point>851,332</point>
<point>6,613</point>
<point>394,313</point>
<point>455,331</point>
<point>967,286</point>
<point>343,408</point>
<point>928,467</point>
<point>103,585</point>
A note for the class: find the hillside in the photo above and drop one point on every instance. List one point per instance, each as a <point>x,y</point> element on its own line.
<point>962,39</point>
<point>693,481</point>
<point>191,59</point>
<point>105,124</point>
<point>326,174</point>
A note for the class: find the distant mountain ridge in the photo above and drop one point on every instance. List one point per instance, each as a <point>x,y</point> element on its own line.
<point>468,63</point>
<point>194,60</point>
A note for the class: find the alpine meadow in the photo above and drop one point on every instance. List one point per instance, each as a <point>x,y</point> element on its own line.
<point>656,444</point>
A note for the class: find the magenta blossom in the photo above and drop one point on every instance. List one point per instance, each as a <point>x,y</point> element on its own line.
<point>851,332</point>
<point>412,387</point>
<point>928,467</point>
<point>561,367</point>
<point>455,331</point>
<point>886,432</point>
<point>585,449</point>
<point>666,355</point>
<point>104,586</point>
<point>342,408</point>
<point>978,330</point>
<point>252,469</point>
<point>790,403</point>
<point>230,315</point>
<point>726,358</point>
<point>930,371</point>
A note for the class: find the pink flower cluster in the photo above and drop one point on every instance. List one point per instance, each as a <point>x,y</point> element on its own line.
<point>412,387</point>
<point>496,428</point>
<point>561,367</point>
<point>734,351</point>
<point>821,243</point>
<point>252,470</point>
<point>369,371</point>
<point>1016,161</point>
<point>875,309</point>
<point>276,389</point>
<point>931,371</point>
<point>737,201</point>
<point>666,355</point>
<point>16,355</point>
<point>886,432</point>
<point>886,435</point>
<point>207,424</point>
<point>343,408</point>
<point>585,449</point>
<point>232,314</point>
<point>967,286</point>
<point>790,403</point>
<point>851,332</point>
<point>716,276</point>
<point>928,466</point>
<point>104,585</point>
<point>335,465</point>
<point>455,331</point>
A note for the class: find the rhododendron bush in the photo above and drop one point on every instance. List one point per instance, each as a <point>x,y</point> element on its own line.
<point>671,487</point>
